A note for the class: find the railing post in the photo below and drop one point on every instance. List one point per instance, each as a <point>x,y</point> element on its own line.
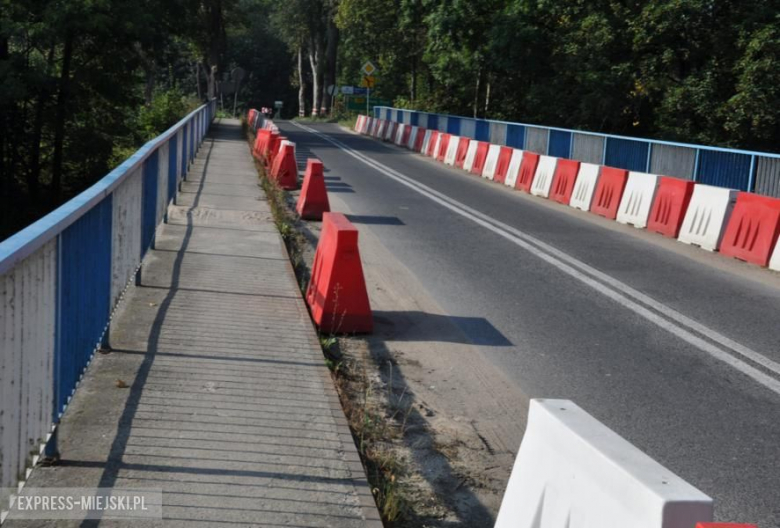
<point>752,175</point>
<point>649,155</point>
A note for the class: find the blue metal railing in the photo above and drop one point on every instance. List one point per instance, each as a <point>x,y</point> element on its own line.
<point>61,279</point>
<point>738,169</point>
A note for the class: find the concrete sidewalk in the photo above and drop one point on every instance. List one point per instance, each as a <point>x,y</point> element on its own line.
<point>230,409</point>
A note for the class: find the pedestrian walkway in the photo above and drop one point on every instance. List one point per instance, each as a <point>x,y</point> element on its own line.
<point>215,389</point>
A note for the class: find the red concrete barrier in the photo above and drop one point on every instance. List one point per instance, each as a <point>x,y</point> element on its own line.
<point>479,158</point>
<point>525,178</point>
<point>284,170</point>
<point>563,180</point>
<point>443,146</point>
<point>419,139</point>
<point>405,135</point>
<point>463,148</point>
<point>753,228</point>
<point>313,200</point>
<point>378,127</point>
<point>271,148</point>
<point>261,140</point>
<point>502,165</point>
<point>432,143</point>
<point>337,295</point>
<point>669,207</point>
<point>609,191</point>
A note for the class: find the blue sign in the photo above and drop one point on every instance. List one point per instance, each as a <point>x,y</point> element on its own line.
<point>353,90</point>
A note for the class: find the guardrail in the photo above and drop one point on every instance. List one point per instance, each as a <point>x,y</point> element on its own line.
<point>61,279</point>
<point>744,170</point>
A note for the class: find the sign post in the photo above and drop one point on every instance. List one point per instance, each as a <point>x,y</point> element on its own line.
<point>368,69</point>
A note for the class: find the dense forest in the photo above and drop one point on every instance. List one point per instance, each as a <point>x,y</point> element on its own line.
<point>85,82</point>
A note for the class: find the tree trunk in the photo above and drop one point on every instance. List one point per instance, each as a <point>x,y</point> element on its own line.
<point>34,174</point>
<point>3,127</point>
<point>476,92</point>
<point>332,56</point>
<point>487,95</point>
<point>60,116</point>
<point>317,66</point>
<point>216,48</point>
<point>150,80</point>
<point>197,80</point>
<point>301,84</point>
<point>413,93</point>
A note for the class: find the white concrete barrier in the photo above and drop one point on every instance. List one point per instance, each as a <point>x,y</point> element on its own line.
<point>574,472</point>
<point>389,131</point>
<point>426,142</point>
<point>489,170</point>
<point>544,176</point>
<point>412,137</point>
<point>707,216</point>
<point>587,179</point>
<point>637,199</point>
<point>452,151</point>
<point>436,146</point>
<point>471,153</point>
<point>774,262</point>
<point>514,168</point>
<point>399,134</point>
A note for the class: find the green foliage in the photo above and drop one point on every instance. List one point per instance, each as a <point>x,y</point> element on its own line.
<point>167,108</point>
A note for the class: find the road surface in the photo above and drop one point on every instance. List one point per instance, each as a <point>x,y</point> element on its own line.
<point>676,349</point>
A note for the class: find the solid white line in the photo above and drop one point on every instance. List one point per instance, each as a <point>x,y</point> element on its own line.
<point>609,287</point>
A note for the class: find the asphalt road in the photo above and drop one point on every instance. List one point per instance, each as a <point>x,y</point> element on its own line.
<point>675,349</point>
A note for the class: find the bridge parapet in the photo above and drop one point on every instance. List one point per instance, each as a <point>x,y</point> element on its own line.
<point>61,279</point>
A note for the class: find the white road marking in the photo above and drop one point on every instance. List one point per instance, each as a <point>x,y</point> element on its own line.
<point>628,297</point>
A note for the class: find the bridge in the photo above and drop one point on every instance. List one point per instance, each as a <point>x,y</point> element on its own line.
<point>157,323</point>
<point>154,335</point>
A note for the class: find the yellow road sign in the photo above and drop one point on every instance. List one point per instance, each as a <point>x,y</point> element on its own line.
<point>368,81</point>
<point>368,68</point>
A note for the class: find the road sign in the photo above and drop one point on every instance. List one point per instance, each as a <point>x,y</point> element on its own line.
<point>368,81</point>
<point>352,90</point>
<point>368,68</point>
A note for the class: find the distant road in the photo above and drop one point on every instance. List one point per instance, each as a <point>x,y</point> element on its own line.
<point>675,349</point>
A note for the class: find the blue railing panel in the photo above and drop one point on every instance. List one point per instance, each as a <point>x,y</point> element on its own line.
<point>415,119</point>
<point>191,149</point>
<point>515,136</point>
<point>724,169</point>
<point>627,154</point>
<point>560,144</point>
<point>468,128</point>
<point>185,157</point>
<point>172,168</point>
<point>388,113</point>
<point>481,130</point>
<point>149,208</point>
<point>433,122</point>
<point>84,293</point>
<point>453,126</point>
